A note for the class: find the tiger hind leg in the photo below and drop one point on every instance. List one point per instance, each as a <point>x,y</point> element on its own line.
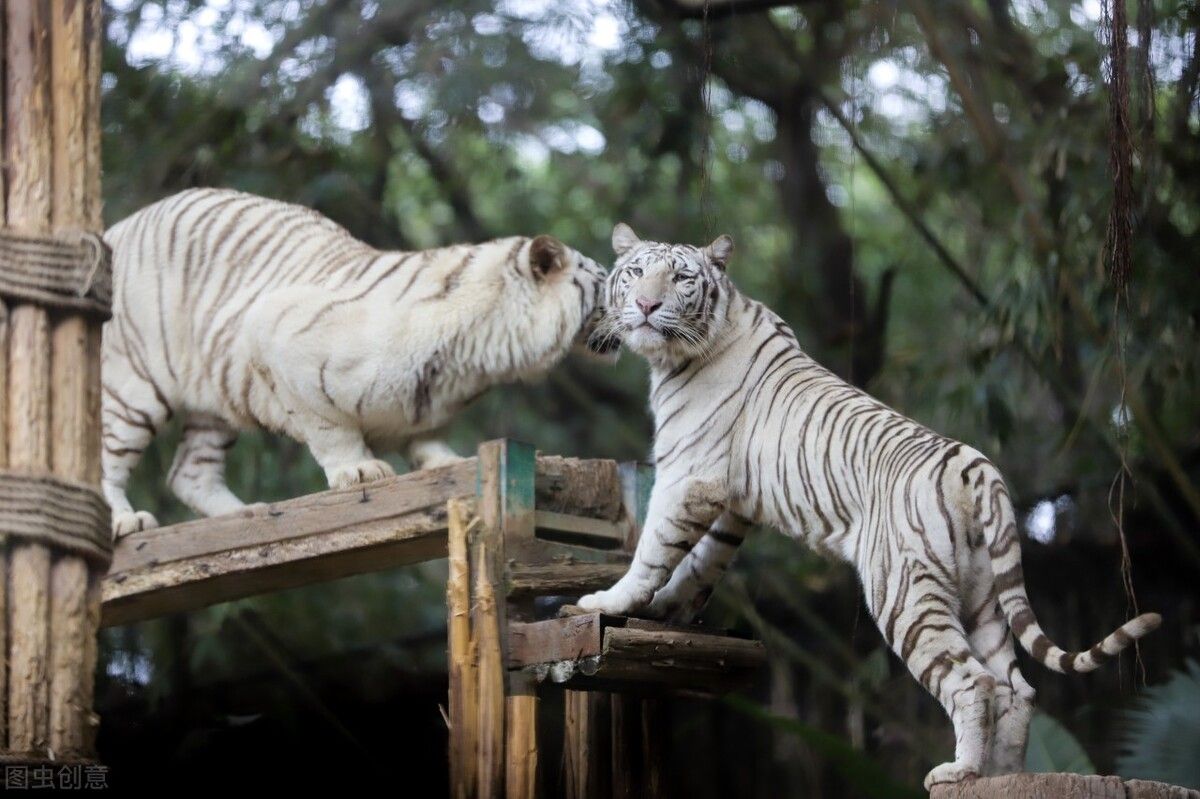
<point>993,643</point>
<point>130,416</point>
<point>929,637</point>
<point>197,475</point>
<point>693,580</point>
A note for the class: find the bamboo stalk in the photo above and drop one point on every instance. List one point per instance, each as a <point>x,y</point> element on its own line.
<point>463,675</point>
<point>486,634</point>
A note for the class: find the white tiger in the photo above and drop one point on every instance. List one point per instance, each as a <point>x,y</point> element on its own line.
<point>750,429</point>
<point>238,312</point>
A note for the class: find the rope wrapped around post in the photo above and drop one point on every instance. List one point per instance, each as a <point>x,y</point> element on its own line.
<point>60,513</point>
<point>69,270</point>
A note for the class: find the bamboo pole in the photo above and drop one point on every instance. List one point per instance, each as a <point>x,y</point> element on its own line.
<point>485,633</point>
<point>463,675</point>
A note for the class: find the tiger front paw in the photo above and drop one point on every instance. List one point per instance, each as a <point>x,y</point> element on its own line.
<point>132,522</point>
<point>356,473</point>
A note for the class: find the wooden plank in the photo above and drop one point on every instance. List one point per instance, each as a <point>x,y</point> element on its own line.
<point>579,487</point>
<point>586,528</point>
<point>549,641</point>
<point>568,578</point>
<point>358,508</point>
<point>462,668</point>
<point>309,539</point>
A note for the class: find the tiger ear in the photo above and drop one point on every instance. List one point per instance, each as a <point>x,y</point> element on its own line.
<point>547,254</point>
<point>719,251</point>
<point>624,239</point>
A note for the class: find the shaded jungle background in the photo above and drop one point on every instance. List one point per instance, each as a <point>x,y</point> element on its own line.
<point>921,189</point>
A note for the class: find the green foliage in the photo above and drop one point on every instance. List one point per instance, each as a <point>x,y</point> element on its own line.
<point>1052,748</point>
<point>1162,732</point>
<point>858,769</point>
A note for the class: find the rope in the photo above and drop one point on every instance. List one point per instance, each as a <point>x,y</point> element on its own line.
<point>51,510</point>
<point>71,270</point>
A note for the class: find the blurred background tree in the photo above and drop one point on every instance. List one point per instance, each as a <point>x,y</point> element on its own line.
<point>922,190</point>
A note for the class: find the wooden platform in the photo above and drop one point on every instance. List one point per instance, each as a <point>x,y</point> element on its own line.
<point>332,534</point>
<point>595,651</point>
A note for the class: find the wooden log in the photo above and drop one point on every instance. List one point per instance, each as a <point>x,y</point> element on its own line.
<point>668,648</point>
<point>579,487</point>
<point>569,578</point>
<point>462,666</point>
<point>1059,786</point>
<point>27,208</point>
<point>301,541</point>
<point>29,564</point>
<point>521,743</point>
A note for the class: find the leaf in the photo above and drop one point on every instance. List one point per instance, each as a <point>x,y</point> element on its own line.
<point>1053,749</point>
<point>854,766</point>
<point>1162,732</point>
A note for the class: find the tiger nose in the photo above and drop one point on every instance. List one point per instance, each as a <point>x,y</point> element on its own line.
<point>648,306</point>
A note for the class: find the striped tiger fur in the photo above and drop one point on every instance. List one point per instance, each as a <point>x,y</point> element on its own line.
<point>239,312</point>
<point>749,429</point>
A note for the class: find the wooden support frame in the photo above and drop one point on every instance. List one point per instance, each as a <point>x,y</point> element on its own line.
<point>515,526</point>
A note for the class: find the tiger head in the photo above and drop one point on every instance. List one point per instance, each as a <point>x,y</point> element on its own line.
<point>566,278</point>
<point>664,301</point>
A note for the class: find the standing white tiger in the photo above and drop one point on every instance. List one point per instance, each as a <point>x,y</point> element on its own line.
<point>750,429</point>
<point>240,312</point>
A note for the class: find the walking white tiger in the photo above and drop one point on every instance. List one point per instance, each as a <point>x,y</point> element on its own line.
<point>750,429</point>
<point>240,312</point>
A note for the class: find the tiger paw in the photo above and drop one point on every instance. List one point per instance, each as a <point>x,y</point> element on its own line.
<point>132,522</point>
<point>356,473</point>
<point>949,772</point>
<point>614,601</point>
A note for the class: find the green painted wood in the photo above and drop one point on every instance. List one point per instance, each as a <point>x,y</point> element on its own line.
<point>637,481</point>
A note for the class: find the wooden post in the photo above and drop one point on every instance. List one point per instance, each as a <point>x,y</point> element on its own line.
<point>521,775</point>
<point>51,372</point>
<point>507,477</point>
